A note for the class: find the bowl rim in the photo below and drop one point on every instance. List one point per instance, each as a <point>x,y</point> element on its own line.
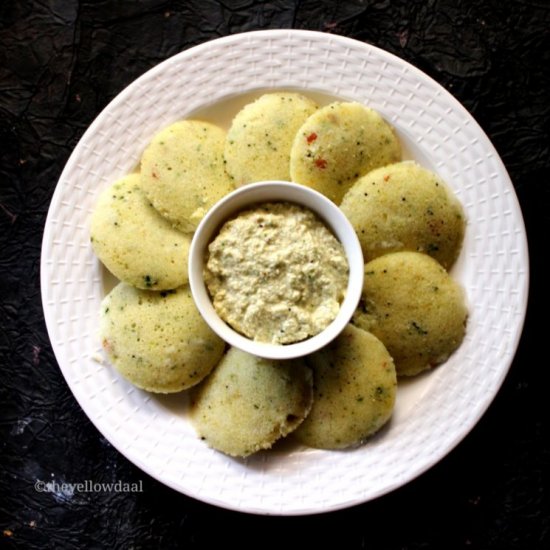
<point>276,191</point>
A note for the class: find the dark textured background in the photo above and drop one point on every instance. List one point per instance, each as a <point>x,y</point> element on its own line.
<point>61,62</point>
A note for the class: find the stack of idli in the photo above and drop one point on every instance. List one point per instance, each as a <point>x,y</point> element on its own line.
<point>335,398</point>
<point>141,230</point>
<point>411,228</point>
<point>411,317</point>
<point>286,136</point>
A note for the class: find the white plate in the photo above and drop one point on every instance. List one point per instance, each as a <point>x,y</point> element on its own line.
<point>433,412</point>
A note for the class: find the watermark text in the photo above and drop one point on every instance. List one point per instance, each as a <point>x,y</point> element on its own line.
<point>87,486</point>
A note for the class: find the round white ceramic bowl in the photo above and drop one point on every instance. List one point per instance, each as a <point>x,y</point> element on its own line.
<point>274,191</point>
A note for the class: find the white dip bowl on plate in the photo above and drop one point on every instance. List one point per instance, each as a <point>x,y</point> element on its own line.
<point>275,191</point>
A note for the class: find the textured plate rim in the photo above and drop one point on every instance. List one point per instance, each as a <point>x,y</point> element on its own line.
<point>513,339</point>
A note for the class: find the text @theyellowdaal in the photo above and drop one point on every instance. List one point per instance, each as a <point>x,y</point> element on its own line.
<point>87,486</point>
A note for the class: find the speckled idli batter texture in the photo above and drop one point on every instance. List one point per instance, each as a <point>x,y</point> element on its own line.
<point>414,307</point>
<point>405,207</point>
<point>182,172</point>
<point>134,242</point>
<point>338,144</point>
<point>158,340</point>
<point>248,403</point>
<point>354,391</point>
<point>259,140</point>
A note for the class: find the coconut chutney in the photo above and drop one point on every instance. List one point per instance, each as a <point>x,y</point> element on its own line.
<point>276,273</point>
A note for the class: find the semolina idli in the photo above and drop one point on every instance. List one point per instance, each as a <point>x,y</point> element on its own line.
<point>403,206</point>
<point>414,307</point>
<point>258,143</point>
<point>182,172</point>
<point>158,340</point>
<point>354,389</point>
<point>248,403</point>
<point>338,144</point>
<point>134,242</point>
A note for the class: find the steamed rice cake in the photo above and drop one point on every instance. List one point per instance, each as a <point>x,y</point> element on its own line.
<point>248,403</point>
<point>354,391</point>
<point>414,307</point>
<point>134,242</point>
<point>405,207</point>
<point>158,340</point>
<point>258,142</point>
<point>182,172</point>
<point>338,144</point>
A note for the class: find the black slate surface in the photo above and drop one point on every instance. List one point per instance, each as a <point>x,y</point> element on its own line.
<point>61,62</point>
